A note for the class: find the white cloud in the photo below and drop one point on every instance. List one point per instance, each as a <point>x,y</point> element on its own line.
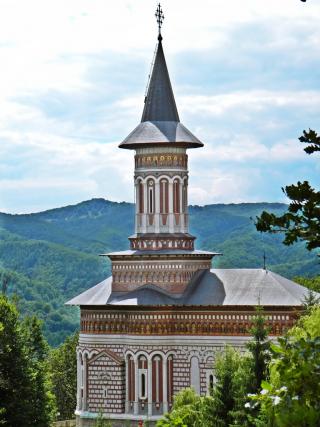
<point>55,119</point>
<point>245,102</point>
<point>242,148</point>
<point>221,186</point>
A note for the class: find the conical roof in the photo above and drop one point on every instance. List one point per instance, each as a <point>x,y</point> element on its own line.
<point>160,123</point>
<point>159,102</point>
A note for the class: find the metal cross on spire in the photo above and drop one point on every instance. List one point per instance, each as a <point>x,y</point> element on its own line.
<point>160,17</point>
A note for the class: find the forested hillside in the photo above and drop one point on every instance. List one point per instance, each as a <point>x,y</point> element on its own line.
<point>49,257</point>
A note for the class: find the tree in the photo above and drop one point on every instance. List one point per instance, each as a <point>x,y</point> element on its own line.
<point>63,368</point>
<point>312,283</point>
<point>5,280</point>
<point>41,397</point>
<point>188,409</point>
<point>15,370</point>
<point>301,222</point>
<point>291,397</point>
<point>259,348</point>
<point>233,376</point>
<point>101,421</point>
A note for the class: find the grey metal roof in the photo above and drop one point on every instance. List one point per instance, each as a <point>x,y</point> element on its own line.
<point>161,252</point>
<point>215,287</point>
<point>160,132</point>
<point>159,103</point>
<point>160,123</point>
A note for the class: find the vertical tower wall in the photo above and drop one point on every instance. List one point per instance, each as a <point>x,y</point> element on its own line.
<point>161,189</point>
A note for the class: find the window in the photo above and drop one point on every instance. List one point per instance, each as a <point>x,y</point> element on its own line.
<point>143,375</point>
<point>151,200</point>
<point>184,197</point>
<point>211,380</point>
<point>140,197</point>
<point>176,196</point>
<point>143,386</point>
<point>104,392</point>
<point>164,196</point>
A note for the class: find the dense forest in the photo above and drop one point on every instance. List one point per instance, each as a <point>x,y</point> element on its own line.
<point>48,257</point>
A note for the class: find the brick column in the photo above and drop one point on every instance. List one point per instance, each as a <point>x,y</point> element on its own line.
<point>85,382</point>
<point>171,218</point>
<point>136,388</point>
<point>78,381</point>
<point>145,221</point>
<point>165,384</point>
<point>157,207</point>
<point>181,222</point>
<point>149,387</point>
<point>137,203</point>
<point>127,384</point>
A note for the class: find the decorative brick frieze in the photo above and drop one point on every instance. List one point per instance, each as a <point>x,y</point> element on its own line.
<point>161,160</point>
<point>160,242</point>
<point>171,272</point>
<point>179,321</point>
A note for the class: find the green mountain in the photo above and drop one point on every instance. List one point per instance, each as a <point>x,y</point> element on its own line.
<point>52,256</point>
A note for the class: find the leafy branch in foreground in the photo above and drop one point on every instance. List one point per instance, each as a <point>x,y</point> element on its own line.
<point>301,222</point>
<point>291,396</point>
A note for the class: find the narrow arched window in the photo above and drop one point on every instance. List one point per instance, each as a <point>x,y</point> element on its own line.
<point>176,196</point>
<point>141,197</point>
<point>164,196</point>
<point>184,197</point>
<point>211,382</point>
<point>143,371</point>
<point>151,197</point>
<point>143,386</point>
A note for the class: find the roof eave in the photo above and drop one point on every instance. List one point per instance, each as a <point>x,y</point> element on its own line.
<point>182,144</point>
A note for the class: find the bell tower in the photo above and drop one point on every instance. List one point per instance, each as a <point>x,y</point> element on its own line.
<point>161,249</point>
<point>160,142</point>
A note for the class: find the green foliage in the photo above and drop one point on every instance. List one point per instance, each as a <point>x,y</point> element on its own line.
<point>41,397</point>
<point>63,369</point>
<point>302,219</point>
<point>312,139</point>
<point>101,421</point>
<point>308,325</point>
<point>24,384</point>
<point>259,348</point>
<point>233,378</point>
<point>313,283</point>
<point>188,409</point>
<point>291,397</point>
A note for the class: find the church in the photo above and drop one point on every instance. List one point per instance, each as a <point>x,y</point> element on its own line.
<point>154,326</point>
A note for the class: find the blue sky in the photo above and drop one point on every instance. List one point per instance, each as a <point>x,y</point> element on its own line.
<point>73,75</point>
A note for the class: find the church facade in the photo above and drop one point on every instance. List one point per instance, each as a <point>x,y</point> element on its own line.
<point>154,326</point>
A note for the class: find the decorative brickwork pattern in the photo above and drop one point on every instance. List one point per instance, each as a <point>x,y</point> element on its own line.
<point>210,322</point>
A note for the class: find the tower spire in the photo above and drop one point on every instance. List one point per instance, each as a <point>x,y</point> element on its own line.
<point>160,17</point>
<point>160,122</point>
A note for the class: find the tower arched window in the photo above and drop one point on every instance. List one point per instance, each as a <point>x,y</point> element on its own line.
<point>164,196</point>
<point>143,374</point>
<point>184,197</point>
<point>176,196</point>
<point>151,197</point>
<point>140,197</point>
